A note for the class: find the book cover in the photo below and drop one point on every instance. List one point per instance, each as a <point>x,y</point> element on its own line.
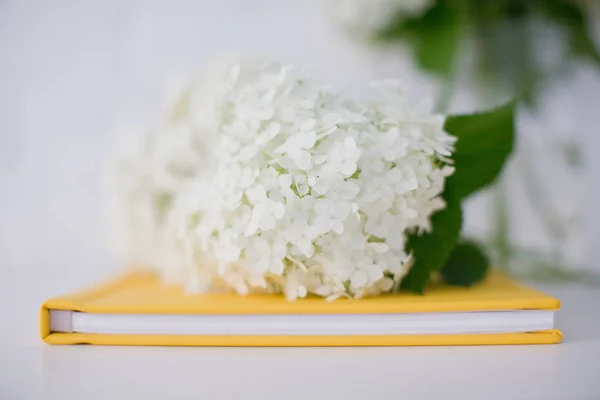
<point>142,293</point>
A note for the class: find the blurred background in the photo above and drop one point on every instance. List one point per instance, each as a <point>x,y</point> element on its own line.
<point>75,74</point>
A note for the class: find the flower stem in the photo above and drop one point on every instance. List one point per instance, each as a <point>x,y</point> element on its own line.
<point>542,207</point>
<point>500,241</point>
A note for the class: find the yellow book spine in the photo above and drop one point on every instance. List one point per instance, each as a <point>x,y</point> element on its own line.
<point>543,337</point>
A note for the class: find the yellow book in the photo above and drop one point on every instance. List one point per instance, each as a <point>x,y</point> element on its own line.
<point>137,309</point>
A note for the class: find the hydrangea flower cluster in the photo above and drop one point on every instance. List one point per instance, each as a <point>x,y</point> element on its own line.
<point>261,180</point>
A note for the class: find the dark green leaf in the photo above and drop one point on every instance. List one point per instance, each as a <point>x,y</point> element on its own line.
<point>434,36</point>
<point>467,265</point>
<point>431,250</point>
<point>485,141</point>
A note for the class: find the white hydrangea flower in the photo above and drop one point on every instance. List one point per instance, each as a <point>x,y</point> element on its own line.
<point>261,180</point>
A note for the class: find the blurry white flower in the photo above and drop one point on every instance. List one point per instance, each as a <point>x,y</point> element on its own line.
<point>368,16</point>
<point>259,179</point>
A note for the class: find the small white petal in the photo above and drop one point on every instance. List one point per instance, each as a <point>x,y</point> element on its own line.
<point>447,171</point>
<point>266,222</point>
<point>285,180</point>
<point>323,207</point>
<point>292,233</point>
<point>258,281</point>
<point>334,296</point>
<point>349,190</point>
<point>253,224</point>
<point>378,247</point>
<point>341,210</point>
<point>278,249</point>
<point>327,132</point>
<point>306,247</point>
<point>256,194</point>
<point>241,288</point>
<point>323,290</point>
<point>409,213</point>
<point>302,291</point>
<point>266,114</point>
<point>319,158</point>
<point>276,266</point>
<point>273,130</point>
<point>321,187</point>
<point>308,202</point>
<point>308,104</point>
<point>358,279</point>
<point>278,210</point>
<point>276,196</point>
<point>385,284</point>
<point>319,227</point>
<point>374,273</point>
<point>349,143</point>
<point>303,159</point>
<point>308,124</point>
<point>303,189</point>
<point>395,239</point>
<point>291,294</point>
<point>395,268</point>
<point>309,139</point>
<point>348,168</point>
<point>337,226</point>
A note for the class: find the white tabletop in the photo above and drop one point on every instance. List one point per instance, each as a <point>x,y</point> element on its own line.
<point>30,369</point>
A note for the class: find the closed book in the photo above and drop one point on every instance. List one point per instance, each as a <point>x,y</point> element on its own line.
<point>137,309</point>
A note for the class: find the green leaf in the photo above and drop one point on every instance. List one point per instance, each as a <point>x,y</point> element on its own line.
<point>431,249</point>
<point>435,36</point>
<point>467,265</point>
<point>485,141</point>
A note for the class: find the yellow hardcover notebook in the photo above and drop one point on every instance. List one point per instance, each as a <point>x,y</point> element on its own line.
<point>136,309</point>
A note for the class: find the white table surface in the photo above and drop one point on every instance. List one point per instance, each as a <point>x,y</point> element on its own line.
<point>30,369</point>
